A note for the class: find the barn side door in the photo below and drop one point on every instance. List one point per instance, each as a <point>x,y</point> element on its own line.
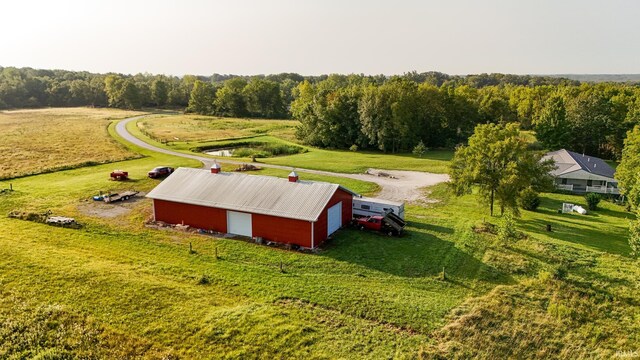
<point>239,223</point>
<point>334,218</point>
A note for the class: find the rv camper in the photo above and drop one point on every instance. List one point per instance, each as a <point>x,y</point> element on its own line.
<point>364,206</point>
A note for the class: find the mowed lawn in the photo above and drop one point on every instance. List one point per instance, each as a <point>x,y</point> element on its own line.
<point>42,140</point>
<point>117,289</point>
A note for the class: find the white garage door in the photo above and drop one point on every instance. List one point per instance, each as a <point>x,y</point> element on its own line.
<point>334,218</point>
<point>239,223</point>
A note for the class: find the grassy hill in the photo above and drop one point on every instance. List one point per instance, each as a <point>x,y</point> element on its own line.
<point>118,289</point>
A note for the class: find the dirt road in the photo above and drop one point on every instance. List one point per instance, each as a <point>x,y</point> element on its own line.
<point>396,185</point>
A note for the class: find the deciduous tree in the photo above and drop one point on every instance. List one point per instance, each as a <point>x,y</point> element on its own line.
<point>498,162</point>
<point>201,99</point>
<point>552,128</point>
<point>264,98</point>
<point>230,100</point>
<point>628,172</point>
<point>159,92</point>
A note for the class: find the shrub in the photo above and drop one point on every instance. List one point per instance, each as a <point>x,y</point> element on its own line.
<point>204,280</point>
<point>507,229</point>
<point>634,238</point>
<point>264,150</point>
<point>420,149</point>
<point>353,148</point>
<point>593,200</point>
<point>529,199</point>
<point>243,152</point>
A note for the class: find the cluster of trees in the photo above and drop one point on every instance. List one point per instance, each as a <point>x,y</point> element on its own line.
<point>399,113</point>
<point>26,87</point>
<point>389,113</point>
<point>225,95</point>
<point>237,97</point>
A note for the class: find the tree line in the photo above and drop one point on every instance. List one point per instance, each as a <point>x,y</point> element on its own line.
<point>389,113</point>
<point>400,113</point>
<point>264,96</point>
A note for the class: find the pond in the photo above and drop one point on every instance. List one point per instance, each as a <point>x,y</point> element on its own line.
<point>220,152</point>
<point>253,149</point>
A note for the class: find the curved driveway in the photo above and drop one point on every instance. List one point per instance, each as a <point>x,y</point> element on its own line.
<point>401,186</point>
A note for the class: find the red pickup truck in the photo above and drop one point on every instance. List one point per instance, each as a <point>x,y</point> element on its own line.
<point>390,224</point>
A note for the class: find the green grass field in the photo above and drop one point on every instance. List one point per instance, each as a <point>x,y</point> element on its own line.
<point>117,289</point>
<point>198,128</point>
<point>37,141</point>
<point>187,133</point>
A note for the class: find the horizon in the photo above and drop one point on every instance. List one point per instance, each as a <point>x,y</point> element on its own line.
<point>320,74</point>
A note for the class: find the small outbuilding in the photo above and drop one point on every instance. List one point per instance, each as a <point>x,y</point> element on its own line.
<point>291,211</point>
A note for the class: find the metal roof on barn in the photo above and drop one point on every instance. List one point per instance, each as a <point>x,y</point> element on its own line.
<point>267,195</point>
<point>569,161</point>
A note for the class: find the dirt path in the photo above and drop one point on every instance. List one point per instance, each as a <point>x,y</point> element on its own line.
<point>396,185</point>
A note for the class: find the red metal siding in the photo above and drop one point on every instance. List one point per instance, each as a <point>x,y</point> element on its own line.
<point>200,217</point>
<point>320,227</point>
<point>271,228</point>
<point>282,230</point>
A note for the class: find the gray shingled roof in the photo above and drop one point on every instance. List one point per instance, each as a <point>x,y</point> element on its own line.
<point>268,195</point>
<point>569,161</point>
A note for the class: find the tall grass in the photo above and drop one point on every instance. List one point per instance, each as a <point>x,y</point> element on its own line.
<point>46,140</point>
<point>197,128</point>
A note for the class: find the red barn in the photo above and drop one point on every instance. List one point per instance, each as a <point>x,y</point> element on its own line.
<point>281,210</point>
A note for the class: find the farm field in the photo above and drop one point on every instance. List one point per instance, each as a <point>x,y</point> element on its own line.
<point>117,289</point>
<point>211,132</point>
<point>198,128</point>
<point>43,140</point>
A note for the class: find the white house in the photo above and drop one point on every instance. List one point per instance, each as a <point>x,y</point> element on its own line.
<point>582,173</point>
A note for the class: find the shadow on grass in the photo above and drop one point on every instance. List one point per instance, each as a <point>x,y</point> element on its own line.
<point>599,216</point>
<point>412,255</point>
<point>620,214</point>
<point>430,227</point>
<point>596,237</point>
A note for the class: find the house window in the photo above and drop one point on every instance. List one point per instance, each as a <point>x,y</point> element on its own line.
<point>589,182</point>
<point>564,181</point>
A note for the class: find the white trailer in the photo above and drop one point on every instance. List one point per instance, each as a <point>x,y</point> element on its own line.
<point>364,206</point>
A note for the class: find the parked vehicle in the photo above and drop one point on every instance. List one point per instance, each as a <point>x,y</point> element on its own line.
<point>160,171</point>
<point>119,175</point>
<point>364,206</point>
<point>389,224</point>
<point>109,198</point>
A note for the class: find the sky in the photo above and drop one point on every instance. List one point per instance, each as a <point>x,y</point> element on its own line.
<point>246,37</point>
